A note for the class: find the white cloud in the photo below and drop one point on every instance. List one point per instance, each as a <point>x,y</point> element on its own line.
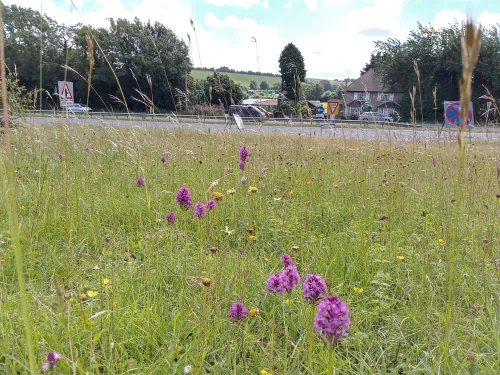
<point>288,5</point>
<point>311,4</point>
<point>447,16</point>
<point>265,4</point>
<point>235,3</point>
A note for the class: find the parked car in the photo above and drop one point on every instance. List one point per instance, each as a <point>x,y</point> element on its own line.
<point>78,108</point>
<point>375,117</point>
<point>247,112</point>
<point>267,113</point>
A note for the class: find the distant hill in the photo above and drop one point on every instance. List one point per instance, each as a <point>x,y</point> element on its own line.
<point>245,79</point>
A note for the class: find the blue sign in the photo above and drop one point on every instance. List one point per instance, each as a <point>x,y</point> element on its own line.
<point>320,110</point>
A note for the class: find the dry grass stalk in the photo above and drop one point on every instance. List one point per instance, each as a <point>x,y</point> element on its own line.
<point>470,53</point>
<point>494,103</point>
<point>417,73</point>
<point>434,96</point>
<point>413,112</point>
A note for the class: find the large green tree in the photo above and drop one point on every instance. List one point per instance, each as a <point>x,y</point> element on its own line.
<point>293,71</point>
<point>222,90</point>
<point>437,52</point>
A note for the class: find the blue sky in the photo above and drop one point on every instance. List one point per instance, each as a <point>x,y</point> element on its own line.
<point>335,36</point>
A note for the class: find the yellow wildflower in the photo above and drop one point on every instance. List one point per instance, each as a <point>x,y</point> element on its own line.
<point>11,245</point>
<point>71,300</point>
<point>358,290</point>
<point>288,301</point>
<point>335,186</point>
<point>105,281</point>
<point>254,312</point>
<point>264,372</point>
<point>252,189</point>
<point>92,293</point>
<point>251,237</point>
<point>441,240</point>
<point>206,281</point>
<point>400,257</point>
<point>293,191</point>
<point>218,196</point>
<point>231,191</point>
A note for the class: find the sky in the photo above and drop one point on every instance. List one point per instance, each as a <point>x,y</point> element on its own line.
<point>335,37</point>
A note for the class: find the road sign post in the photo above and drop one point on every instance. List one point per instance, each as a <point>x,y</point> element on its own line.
<point>65,91</point>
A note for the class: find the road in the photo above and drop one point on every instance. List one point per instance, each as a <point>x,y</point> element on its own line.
<point>398,134</point>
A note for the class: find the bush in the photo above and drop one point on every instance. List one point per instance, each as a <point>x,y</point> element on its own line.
<point>208,110</point>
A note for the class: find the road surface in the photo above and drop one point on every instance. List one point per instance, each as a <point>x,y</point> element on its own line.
<point>324,131</point>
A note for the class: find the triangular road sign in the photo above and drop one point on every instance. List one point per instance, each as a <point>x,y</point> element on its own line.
<point>66,92</point>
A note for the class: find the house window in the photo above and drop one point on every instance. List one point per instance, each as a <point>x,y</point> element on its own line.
<point>361,96</point>
<point>384,97</point>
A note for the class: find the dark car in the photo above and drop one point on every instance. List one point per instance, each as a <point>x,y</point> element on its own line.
<point>247,112</point>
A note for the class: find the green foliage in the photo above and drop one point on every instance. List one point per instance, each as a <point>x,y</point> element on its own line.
<point>327,86</point>
<point>20,100</point>
<point>314,92</point>
<point>86,226</point>
<point>242,78</point>
<point>134,49</point>
<point>276,86</point>
<point>264,85</point>
<point>336,94</point>
<point>437,52</point>
<point>292,69</point>
<point>222,90</point>
<point>253,85</point>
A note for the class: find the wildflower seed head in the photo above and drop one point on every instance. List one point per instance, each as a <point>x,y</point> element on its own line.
<point>211,204</point>
<point>287,260</point>
<point>314,287</point>
<point>237,311</point>
<point>213,250</point>
<point>332,319</point>
<point>184,198</point>
<point>140,181</point>
<point>199,210</point>
<point>274,285</point>
<point>171,218</point>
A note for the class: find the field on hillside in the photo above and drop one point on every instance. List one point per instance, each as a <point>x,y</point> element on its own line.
<point>401,234</point>
<point>245,79</point>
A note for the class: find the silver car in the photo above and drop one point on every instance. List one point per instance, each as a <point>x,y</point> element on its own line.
<point>375,117</point>
<point>78,108</point>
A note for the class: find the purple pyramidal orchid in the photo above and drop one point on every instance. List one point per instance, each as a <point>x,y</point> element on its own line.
<point>140,181</point>
<point>332,319</point>
<point>199,210</point>
<point>314,287</point>
<point>52,359</point>
<point>237,311</point>
<point>184,198</point>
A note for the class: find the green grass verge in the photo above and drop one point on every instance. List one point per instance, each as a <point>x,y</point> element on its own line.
<point>115,289</point>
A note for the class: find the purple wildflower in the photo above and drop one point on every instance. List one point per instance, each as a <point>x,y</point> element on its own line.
<point>140,181</point>
<point>274,285</point>
<point>200,210</point>
<point>163,160</point>
<point>290,278</point>
<point>52,359</point>
<point>211,204</point>
<point>332,319</point>
<point>287,260</point>
<point>242,165</point>
<point>244,154</point>
<point>264,170</point>
<point>184,198</point>
<point>314,287</point>
<point>237,311</point>
<point>61,156</point>
<point>87,149</point>
<point>171,218</point>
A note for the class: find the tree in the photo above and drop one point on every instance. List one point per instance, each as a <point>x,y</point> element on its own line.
<point>327,86</point>
<point>264,85</point>
<point>313,92</point>
<point>292,69</point>
<point>276,86</point>
<point>371,64</point>
<point>253,85</point>
<point>438,55</point>
<point>222,90</point>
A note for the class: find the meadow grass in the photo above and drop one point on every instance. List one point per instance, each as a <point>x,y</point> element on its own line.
<point>116,290</point>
